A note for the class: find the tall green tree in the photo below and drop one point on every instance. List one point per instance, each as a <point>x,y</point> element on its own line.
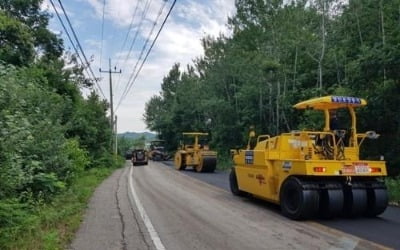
<point>283,52</point>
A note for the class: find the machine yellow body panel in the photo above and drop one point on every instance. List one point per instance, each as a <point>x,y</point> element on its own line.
<point>195,154</point>
<point>318,166</point>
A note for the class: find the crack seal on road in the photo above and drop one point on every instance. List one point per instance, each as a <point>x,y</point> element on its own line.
<point>121,217</point>
<point>136,219</point>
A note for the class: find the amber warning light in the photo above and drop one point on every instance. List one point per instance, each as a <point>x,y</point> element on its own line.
<point>319,169</point>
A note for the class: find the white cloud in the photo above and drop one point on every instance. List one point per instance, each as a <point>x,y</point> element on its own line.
<point>47,6</point>
<point>179,41</point>
<point>93,43</point>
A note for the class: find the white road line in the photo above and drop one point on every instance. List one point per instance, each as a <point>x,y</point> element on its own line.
<point>153,233</point>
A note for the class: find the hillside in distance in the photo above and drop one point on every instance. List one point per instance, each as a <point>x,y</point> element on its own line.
<point>134,135</point>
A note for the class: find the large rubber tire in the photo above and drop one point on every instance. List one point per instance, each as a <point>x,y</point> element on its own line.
<point>207,164</point>
<point>377,201</point>
<point>179,161</point>
<point>157,157</point>
<point>297,203</point>
<point>234,185</point>
<point>355,201</point>
<point>330,203</point>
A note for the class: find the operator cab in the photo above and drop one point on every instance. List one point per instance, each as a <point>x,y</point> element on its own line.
<point>339,139</point>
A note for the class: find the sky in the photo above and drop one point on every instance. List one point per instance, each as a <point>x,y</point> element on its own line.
<point>178,42</point>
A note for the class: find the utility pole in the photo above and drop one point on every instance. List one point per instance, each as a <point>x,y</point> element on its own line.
<point>111,93</point>
<point>116,137</point>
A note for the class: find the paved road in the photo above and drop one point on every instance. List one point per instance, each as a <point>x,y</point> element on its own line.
<point>384,229</point>
<point>111,222</point>
<point>156,207</point>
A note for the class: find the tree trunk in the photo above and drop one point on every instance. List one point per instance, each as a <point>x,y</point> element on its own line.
<point>321,58</point>
<point>383,37</point>
<point>277,106</point>
<point>358,27</point>
<point>295,70</point>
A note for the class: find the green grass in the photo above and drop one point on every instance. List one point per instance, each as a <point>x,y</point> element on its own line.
<point>48,225</point>
<point>393,185</point>
<point>224,162</point>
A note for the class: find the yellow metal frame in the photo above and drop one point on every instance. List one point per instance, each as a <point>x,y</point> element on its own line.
<point>193,153</point>
<point>262,170</point>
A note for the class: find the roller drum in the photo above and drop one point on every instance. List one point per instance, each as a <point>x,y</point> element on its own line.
<point>208,164</point>
<point>355,200</point>
<point>377,201</point>
<point>331,203</point>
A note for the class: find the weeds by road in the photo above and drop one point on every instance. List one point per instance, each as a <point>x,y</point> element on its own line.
<point>393,185</point>
<point>44,225</point>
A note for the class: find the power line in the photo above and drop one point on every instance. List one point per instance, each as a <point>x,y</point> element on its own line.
<point>143,49</point>
<point>77,40</point>
<point>144,14</point>
<point>73,45</point>
<point>147,54</point>
<point>129,30</point>
<point>102,33</point>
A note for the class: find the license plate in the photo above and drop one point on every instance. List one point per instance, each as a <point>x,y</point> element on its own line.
<point>356,168</point>
<point>348,170</point>
<point>361,169</point>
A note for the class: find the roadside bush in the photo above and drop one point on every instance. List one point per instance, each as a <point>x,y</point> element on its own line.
<point>393,185</point>
<point>224,162</point>
<point>31,138</point>
<point>79,157</point>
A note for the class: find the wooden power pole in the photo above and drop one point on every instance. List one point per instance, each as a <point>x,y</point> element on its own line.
<point>111,98</point>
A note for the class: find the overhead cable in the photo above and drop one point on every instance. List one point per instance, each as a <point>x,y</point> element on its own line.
<point>74,47</point>
<point>102,33</point>
<point>144,15</point>
<point>129,30</point>
<point>143,50</point>
<point>147,54</point>
<point>77,40</point>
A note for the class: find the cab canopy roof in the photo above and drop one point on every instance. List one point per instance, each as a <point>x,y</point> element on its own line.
<point>331,102</point>
<point>194,133</point>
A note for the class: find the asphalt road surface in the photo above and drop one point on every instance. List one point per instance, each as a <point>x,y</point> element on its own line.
<point>384,229</point>
<point>157,207</point>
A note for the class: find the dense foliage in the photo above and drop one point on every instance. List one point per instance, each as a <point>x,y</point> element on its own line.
<point>282,52</point>
<point>49,133</point>
<point>126,145</point>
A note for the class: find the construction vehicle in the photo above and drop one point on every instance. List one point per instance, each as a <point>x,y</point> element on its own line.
<point>195,153</point>
<point>139,157</point>
<point>128,154</point>
<point>157,151</point>
<point>314,173</point>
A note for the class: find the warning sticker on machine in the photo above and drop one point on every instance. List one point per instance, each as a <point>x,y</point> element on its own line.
<point>356,168</point>
<point>287,165</point>
<point>249,157</point>
<point>261,179</point>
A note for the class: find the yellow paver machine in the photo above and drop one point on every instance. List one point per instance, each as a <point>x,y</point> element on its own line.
<point>195,153</point>
<point>314,173</point>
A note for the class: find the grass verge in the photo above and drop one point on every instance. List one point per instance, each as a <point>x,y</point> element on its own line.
<point>393,185</point>
<point>224,162</point>
<point>48,225</point>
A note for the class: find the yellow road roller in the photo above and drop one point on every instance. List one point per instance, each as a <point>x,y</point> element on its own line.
<point>157,151</point>
<point>195,153</point>
<point>314,173</point>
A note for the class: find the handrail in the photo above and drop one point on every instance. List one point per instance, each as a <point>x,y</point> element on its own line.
<point>263,136</point>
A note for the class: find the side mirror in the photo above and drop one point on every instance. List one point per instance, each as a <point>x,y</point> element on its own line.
<point>371,135</point>
<point>252,134</point>
<point>234,152</point>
